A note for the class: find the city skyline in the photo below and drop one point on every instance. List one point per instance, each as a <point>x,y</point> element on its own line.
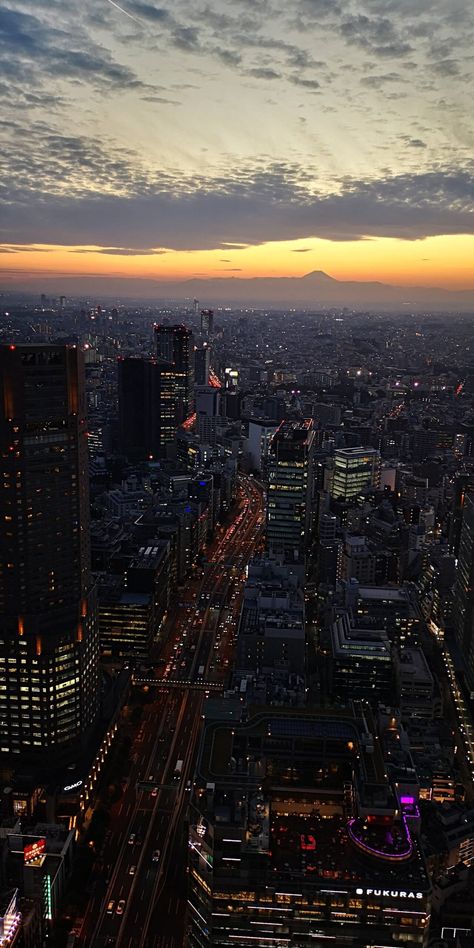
<point>146,141</point>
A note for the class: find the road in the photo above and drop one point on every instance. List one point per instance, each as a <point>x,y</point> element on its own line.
<point>143,901</point>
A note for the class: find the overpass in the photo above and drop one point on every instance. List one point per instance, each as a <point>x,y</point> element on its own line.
<point>170,684</point>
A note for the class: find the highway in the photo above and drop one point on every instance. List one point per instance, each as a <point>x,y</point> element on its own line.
<point>143,897</point>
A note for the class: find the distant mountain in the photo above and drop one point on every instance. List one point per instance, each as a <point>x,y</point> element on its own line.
<point>319,290</point>
<point>316,290</point>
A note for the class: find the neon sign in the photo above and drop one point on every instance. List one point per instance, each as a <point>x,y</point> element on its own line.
<point>33,851</point>
<point>72,786</point>
<point>391,893</point>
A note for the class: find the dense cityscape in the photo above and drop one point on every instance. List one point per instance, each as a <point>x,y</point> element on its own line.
<point>237,592</point>
<point>237,490</point>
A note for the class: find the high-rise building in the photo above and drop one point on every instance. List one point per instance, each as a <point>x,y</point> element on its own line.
<point>259,442</point>
<point>133,378</point>
<point>207,322</point>
<point>175,346</point>
<point>290,467</point>
<point>354,469</point>
<point>463,591</point>
<point>48,640</point>
<point>463,484</point>
<point>147,408</point>
<point>202,364</point>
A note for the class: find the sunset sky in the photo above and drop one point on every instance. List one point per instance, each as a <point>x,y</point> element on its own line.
<point>161,140</point>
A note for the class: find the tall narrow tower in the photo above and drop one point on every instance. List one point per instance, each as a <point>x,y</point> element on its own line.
<point>463,591</point>
<point>290,483</point>
<point>175,347</point>
<point>48,634</point>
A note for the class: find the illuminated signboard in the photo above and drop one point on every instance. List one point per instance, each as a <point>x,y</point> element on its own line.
<point>72,786</point>
<point>33,851</point>
<point>391,893</point>
<point>48,904</point>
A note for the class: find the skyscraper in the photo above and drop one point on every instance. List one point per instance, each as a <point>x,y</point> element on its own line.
<point>463,484</point>
<point>175,347</point>
<point>133,380</point>
<point>202,362</point>
<point>290,487</point>
<point>463,591</point>
<point>207,322</point>
<point>48,634</point>
<point>147,407</point>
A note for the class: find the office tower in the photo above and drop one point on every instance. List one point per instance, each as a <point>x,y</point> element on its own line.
<point>202,364</point>
<point>207,323</point>
<point>133,381</point>
<point>354,470</point>
<point>147,408</point>
<point>290,469</point>
<point>259,441</point>
<point>362,662</point>
<point>463,484</point>
<point>48,641</point>
<point>208,417</point>
<point>175,347</point>
<point>463,591</point>
<point>271,631</point>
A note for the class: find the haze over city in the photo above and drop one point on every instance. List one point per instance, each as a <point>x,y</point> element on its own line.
<point>147,141</point>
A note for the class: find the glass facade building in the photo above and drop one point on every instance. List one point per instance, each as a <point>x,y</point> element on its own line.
<point>290,485</point>
<point>463,592</point>
<point>354,470</point>
<point>175,347</point>
<point>48,630</point>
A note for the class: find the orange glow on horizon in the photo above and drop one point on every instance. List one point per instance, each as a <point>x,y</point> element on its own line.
<point>444,261</point>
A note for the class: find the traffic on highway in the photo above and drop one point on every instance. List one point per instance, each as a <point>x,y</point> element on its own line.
<point>145,871</point>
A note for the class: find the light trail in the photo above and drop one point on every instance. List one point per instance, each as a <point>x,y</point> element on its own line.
<point>130,15</point>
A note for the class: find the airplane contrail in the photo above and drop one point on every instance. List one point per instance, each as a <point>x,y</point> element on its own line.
<point>131,17</point>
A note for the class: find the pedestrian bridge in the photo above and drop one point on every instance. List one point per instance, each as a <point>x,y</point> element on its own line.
<point>178,684</point>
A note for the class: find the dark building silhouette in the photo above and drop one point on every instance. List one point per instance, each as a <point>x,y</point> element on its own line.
<point>48,640</point>
<point>133,381</point>
<point>207,322</point>
<point>463,592</point>
<point>202,360</point>
<point>148,408</point>
<point>463,484</point>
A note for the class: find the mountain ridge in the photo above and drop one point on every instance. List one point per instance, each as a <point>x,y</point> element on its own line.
<point>316,290</point>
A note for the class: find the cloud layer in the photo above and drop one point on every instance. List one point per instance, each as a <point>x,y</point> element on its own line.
<point>192,125</point>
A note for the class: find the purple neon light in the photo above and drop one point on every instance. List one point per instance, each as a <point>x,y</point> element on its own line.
<point>379,853</point>
<point>407,800</point>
